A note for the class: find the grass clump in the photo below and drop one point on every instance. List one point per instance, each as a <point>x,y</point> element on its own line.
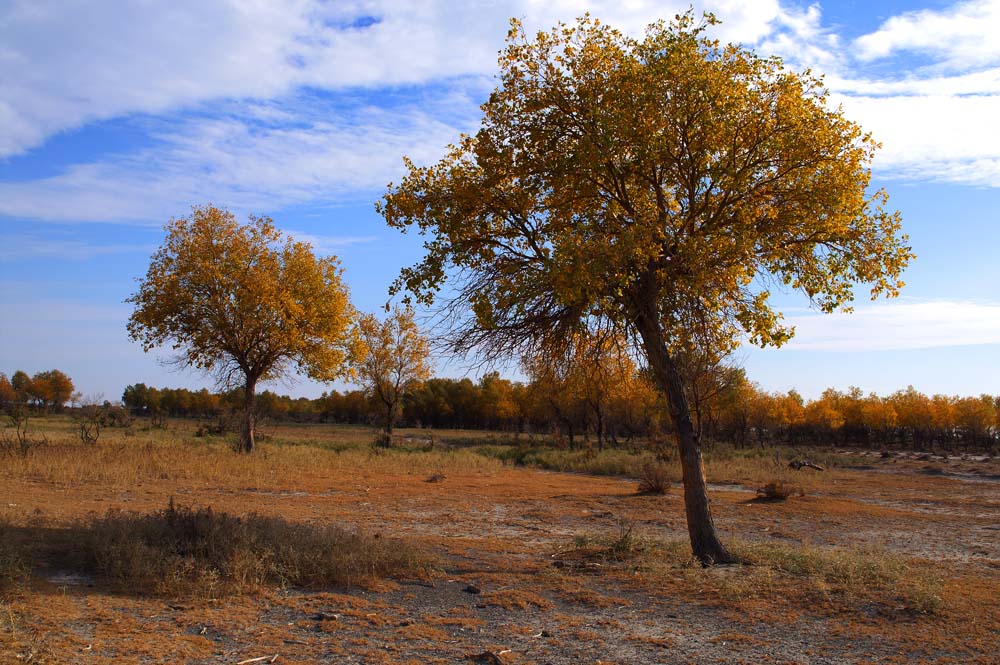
<point>588,552</point>
<point>609,462</point>
<point>844,578</point>
<point>183,551</point>
<point>778,490</point>
<point>654,478</point>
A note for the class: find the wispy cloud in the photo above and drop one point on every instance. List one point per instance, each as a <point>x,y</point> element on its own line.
<point>324,244</point>
<point>961,36</point>
<point>247,165</point>
<point>933,110</point>
<point>29,246</point>
<point>986,82</point>
<point>933,137</point>
<point>898,326</point>
<point>63,64</point>
<point>259,106</point>
<point>799,36</point>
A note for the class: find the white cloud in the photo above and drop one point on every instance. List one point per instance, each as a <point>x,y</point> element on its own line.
<point>986,82</point>
<point>324,244</point>
<point>230,90</point>
<point>64,64</point>
<point>898,326</point>
<point>932,137</point>
<point>27,246</point>
<point>245,165</point>
<point>799,37</point>
<point>962,36</point>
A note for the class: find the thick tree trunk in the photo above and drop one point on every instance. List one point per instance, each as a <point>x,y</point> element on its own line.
<point>705,543</point>
<point>249,417</point>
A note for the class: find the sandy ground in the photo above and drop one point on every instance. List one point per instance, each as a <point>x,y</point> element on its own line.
<point>505,533</point>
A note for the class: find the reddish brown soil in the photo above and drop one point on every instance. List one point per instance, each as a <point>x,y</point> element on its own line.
<point>503,532</point>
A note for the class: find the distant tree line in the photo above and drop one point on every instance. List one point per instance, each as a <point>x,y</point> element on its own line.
<point>583,402</point>
<point>622,407</point>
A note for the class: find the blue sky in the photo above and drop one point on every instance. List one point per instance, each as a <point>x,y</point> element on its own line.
<point>115,117</point>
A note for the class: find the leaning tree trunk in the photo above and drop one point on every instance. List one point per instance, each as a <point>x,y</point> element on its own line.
<point>249,417</point>
<point>705,543</point>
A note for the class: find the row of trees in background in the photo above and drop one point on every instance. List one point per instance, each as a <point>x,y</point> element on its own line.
<point>49,390</point>
<point>580,411</point>
<point>582,399</point>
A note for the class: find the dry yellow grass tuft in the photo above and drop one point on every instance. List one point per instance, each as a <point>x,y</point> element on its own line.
<point>823,580</point>
<point>182,551</point>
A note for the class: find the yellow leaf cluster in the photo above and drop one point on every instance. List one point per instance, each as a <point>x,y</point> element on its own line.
<point>394,356</point>
<point>244,301</point>
<point>668,177</point>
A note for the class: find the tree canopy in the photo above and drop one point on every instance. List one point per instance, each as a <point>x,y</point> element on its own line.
<point>51,389</point>
<point>661,187</point>
<point>395,357</point>
<point>245,303</point>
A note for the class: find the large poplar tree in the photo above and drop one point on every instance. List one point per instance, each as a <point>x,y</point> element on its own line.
<point>657,186</point>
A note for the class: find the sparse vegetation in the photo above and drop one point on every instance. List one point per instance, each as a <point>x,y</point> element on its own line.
<point>777,490</point>
<point>622,543</point>
<point>15,439</point>
<point>88,424</point>
<point>843,576</point>
<point>654,477</point>
<point>268,542</point>
<point>183,551</point>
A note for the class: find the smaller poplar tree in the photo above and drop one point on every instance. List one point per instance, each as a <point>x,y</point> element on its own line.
<point>396,357</point>
<point>244,303</point>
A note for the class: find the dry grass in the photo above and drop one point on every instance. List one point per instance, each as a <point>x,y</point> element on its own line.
<point>748,467</point>
<point>654,478</point>
<point>844,577</point>
<point>182,551</point>
<point>825,580</point>
<point>609,462</point>
<point>821,580</point>
<point>494,526</point>
<point>123,459</point>
<point>20,639</point>
<point>778,490</point>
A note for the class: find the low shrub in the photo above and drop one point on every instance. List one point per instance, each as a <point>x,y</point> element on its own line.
<point>19,441</point>
<point>182,551</point>
<point>778,490</point>
<point>382,440</point>
<point>88,424</point>
<point>588,551</point>
<point>654,478</point>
